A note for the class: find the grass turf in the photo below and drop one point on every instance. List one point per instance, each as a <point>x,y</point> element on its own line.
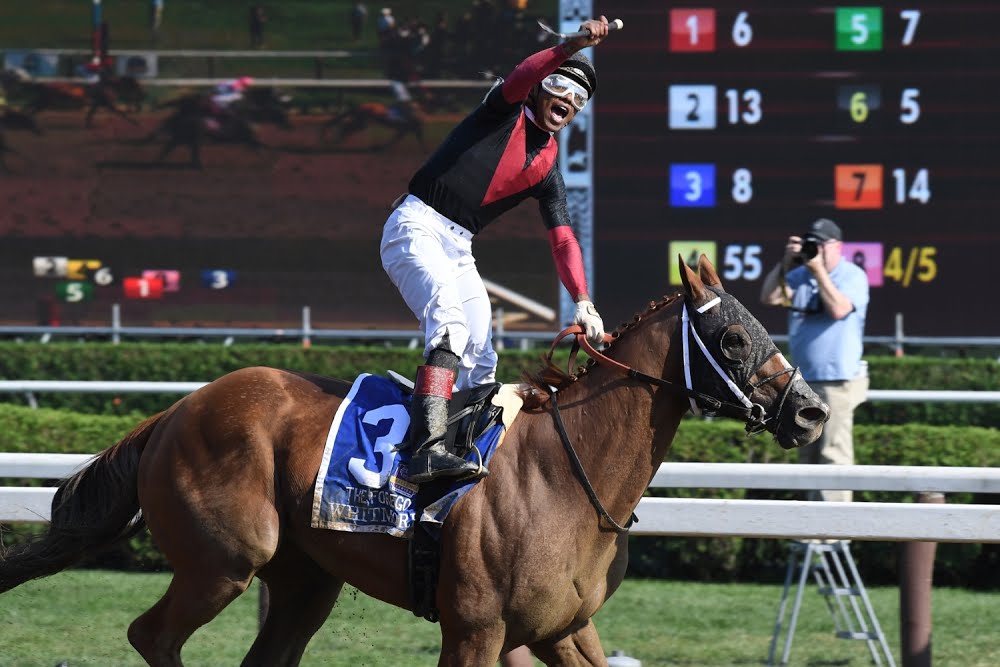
<point>81,617</point>
<point>214,24</point>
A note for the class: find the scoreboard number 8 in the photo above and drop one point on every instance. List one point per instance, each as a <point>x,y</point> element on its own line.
<point>742,186</point>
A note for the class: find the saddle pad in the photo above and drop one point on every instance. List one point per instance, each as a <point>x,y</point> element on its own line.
<point>362,484</point>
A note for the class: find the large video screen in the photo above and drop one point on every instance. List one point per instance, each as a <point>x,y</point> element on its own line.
<point>721,128</point>
<point>725,127</point>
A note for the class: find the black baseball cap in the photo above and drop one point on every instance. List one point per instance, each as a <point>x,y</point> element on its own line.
<point>824,230</point>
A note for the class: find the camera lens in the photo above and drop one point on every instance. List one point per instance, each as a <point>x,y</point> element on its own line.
<point>809,250</point>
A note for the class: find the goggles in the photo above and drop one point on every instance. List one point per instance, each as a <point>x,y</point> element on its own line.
<point>562,86</point>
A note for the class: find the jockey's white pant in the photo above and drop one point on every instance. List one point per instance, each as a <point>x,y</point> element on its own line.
<point>429,259</point>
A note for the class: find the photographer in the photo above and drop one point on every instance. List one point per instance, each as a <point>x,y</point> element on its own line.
<point>827,300</point>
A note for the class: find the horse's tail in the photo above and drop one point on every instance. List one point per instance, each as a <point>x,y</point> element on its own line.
<point>91,511</point>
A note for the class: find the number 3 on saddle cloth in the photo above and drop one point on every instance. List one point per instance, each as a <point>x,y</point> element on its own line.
<point>362,485</point>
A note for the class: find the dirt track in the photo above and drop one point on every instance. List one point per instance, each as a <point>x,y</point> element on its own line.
<point>298,221</point>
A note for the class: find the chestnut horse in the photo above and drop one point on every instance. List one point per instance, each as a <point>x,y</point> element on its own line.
<point>224,481</point>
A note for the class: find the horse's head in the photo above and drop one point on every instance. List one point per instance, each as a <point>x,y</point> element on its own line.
<point>729,357</point>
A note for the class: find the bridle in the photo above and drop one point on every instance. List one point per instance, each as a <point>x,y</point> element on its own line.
<point>753,415</point>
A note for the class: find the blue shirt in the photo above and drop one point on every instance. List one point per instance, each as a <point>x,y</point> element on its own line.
<point>826,349</point>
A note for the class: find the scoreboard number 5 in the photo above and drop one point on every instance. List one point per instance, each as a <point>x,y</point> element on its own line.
<point>742,262</point>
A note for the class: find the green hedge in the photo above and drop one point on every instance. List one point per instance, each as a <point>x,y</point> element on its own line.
<point>203,362</point>
<point>721,559</point>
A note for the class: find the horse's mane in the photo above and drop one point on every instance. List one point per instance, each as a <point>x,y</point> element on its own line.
<point>540,384</point>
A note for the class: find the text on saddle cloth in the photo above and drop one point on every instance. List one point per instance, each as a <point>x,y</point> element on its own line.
<point>362,484</point>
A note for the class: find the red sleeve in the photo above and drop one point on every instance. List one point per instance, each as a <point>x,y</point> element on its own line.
<point>569,261</point>
<point>532,69</point>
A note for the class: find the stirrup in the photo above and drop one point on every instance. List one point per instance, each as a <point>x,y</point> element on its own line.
<point>454,467</point>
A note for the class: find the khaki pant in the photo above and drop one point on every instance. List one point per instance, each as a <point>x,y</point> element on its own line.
<point>836,445</point>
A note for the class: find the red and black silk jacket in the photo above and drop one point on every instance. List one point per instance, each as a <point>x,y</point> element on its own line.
<point>496,158</point>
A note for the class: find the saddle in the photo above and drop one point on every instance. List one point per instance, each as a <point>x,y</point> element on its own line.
<point>470,414</point>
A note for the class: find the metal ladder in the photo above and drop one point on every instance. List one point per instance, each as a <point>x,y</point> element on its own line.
<point>836,575</point>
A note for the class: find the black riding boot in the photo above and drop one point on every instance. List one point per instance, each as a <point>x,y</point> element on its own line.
<point>428,422</point>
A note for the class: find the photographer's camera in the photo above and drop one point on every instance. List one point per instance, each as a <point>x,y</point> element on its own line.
<point>810,248</point>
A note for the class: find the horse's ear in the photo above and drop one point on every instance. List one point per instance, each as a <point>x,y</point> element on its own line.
<point>707,271</point>
<point>693,286</point>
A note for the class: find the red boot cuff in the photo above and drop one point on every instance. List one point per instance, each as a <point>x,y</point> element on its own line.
<point>434,381</point>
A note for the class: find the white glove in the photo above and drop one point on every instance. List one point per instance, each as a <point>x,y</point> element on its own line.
<point>593,325</point>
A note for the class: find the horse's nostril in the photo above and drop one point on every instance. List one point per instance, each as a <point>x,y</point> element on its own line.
<point>810,416</point>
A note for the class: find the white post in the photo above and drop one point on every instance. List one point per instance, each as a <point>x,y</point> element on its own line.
<point>306,327</point>
<point>116,323</point>
<point>899,334</point>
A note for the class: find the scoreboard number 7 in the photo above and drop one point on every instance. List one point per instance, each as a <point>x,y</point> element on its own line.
<point>912,18</point>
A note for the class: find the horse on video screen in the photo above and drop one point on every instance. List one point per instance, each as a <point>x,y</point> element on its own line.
<point>197,120</point>
<point>403,117</point>
<point>224,480</point>
<point>121,95</point>
<point>105,93</point>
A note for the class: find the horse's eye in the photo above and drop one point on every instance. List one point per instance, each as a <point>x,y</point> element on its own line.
<point>736,343</point>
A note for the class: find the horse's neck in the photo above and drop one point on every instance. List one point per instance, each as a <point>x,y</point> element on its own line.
<point>620,427</point>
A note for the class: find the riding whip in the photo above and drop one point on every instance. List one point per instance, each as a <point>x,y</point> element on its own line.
<point>613,25</point>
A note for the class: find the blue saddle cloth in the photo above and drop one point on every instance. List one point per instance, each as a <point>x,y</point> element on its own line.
<point>362,484</point>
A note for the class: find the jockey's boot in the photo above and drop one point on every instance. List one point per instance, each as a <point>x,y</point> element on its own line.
<point>429,423</point>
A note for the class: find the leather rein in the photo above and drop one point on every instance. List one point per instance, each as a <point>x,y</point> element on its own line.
<point>753,415</point>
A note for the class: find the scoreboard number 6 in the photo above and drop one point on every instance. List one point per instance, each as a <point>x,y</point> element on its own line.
<point>742,31</point>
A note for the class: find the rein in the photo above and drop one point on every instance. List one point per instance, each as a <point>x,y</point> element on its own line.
<point>582,474</point>
<point>752,414</point>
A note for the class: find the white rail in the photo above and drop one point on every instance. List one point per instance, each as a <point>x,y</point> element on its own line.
<point>194,53</point>
<point>789,519</point>
<point>708,517</point>
<point>795,477</point>
<point>143,387</point>
<point>283,82</point>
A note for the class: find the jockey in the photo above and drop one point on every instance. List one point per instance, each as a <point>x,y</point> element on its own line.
<point>501,154</point>
<point>226,93</point>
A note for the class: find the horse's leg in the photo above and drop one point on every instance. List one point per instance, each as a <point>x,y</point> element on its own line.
<point>121,112</point>
<point>195,596</point>
<point>301,595</point>
<point>326,128</point>
<point>463,647</point>
<point>418,130</point>
<point>168,148</point>
<point>195,145</point>
<point>582,647</point>
<point>89,120</point>
<point>353,125</point>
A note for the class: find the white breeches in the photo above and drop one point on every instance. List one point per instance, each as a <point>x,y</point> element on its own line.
<point>429,259</point>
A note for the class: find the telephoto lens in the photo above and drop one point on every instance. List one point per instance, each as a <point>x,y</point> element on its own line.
<point>809,250</point>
